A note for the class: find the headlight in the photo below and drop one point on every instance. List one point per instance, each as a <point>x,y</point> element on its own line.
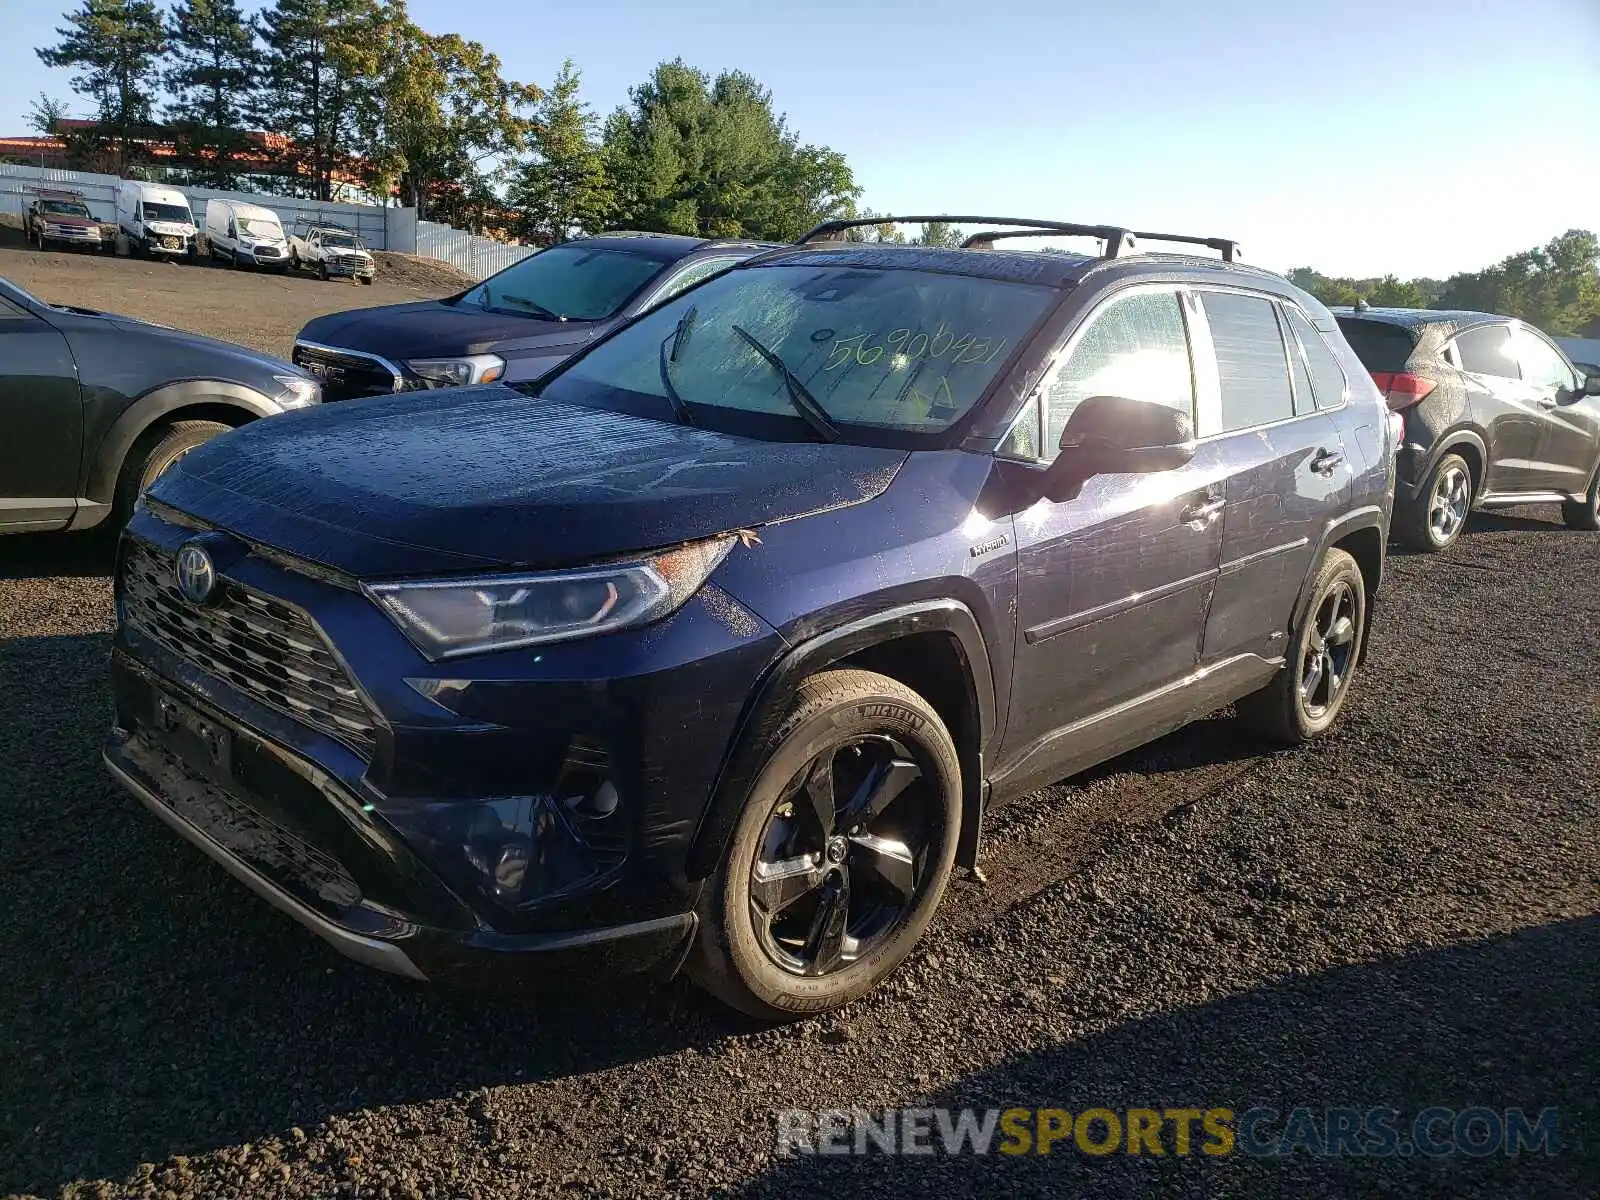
<point>448,617</point>
<point>297,391</point>
<point>458,372</point>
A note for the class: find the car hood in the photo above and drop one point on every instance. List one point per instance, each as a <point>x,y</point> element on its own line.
<point>418,484</point>
<point>433,328</point>
<point>74,222</point>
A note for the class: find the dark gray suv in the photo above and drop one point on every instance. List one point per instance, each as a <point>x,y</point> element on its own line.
<point>517,324</point>
<point>1495,415</point>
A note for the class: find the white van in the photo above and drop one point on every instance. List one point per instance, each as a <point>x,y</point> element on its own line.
<point>245,235</point>
<point>156,220</point>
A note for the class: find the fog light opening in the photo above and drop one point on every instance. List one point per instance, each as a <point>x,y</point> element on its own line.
<point>595,803</point>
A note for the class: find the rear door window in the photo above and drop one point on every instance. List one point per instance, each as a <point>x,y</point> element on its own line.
<point>1252,366</point>
<point>1379,345</point>
<point>1487,351</point>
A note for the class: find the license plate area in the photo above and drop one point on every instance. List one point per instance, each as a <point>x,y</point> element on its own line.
<point>202,743</point>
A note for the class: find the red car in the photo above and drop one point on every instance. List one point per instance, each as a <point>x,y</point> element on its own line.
<point>62,217</point>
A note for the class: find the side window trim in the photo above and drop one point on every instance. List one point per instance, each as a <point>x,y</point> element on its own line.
<point>1344,391</point>
<point>1215,430</point>
<point>664,290</point>
<point>1303,405</point>
<point>1207,374</point>
<point>1068,345</point>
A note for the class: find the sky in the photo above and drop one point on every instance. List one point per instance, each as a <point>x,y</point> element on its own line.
<point>1361,138</point>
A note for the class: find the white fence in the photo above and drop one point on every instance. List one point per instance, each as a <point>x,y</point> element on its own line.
<point>479,257</point>
<point>380,228</point>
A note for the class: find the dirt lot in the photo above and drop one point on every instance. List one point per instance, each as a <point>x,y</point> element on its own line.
<point>254,308</point>
<point>1406,914</point>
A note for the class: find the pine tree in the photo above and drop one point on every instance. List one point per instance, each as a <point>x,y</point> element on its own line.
<point>212,79</point>
<point>115,45</point>
<point>565,189</point>
<point>320,58</point>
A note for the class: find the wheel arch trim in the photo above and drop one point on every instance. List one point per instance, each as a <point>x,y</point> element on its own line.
<point>155,406</point>
<point>741,763</point>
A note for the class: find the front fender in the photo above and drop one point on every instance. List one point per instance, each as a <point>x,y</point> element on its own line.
<point>157,405</point>
<point>770,702</point>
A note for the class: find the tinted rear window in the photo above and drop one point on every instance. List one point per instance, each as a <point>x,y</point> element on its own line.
<point>1379,345</point>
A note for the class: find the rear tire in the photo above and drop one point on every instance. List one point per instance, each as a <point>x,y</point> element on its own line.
<point>1305,698</point>
<point>839,858</point>
<point>1584,514</point>
<point>1435,518</point>
<point>152,454</point>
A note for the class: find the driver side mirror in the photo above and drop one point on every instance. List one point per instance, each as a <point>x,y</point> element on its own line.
<point>1591,386</point>
<point>1116,435</point>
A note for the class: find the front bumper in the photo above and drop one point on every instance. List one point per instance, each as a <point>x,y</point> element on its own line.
<point>452,840</point>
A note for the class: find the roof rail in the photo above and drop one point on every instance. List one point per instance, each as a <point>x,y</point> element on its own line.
<point>1117,239</point>
<point>1228,248</point>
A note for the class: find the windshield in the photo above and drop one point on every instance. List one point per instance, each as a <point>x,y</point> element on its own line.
<point>64,208</point>
<point>904,350</point>
<point>580,283</point>
<point>167,212</point>
<point>341,241</point>
<point>260,227</point>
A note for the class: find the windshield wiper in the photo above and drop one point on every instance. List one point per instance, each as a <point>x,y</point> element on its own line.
<point>685,324</point>
<point>537,310</point>
<point>680,410</point>
<point>804,402</point>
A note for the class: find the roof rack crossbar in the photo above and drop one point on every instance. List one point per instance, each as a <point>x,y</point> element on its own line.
<point>1228,248</point>
<point>1117,238</point>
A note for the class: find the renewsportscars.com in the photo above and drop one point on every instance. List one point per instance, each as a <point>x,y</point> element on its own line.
<point>1259,1132</point>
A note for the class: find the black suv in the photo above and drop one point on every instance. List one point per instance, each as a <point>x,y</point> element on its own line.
<point>93,407</point>
<point>515,325</point>
<point>1495,415</point>
<point>714,646</point>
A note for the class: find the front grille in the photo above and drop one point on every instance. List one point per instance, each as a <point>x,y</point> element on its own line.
<point>267,649</point>
<point>345,374</point>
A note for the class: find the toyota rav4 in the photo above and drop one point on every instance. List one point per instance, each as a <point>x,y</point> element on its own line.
<point>711,648</point>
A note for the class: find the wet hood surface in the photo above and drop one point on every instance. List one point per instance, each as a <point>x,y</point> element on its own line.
<point>433,328</point>
<point>417,485</point>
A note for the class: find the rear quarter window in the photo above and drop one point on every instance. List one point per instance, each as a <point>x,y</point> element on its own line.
<point>1379,345</point>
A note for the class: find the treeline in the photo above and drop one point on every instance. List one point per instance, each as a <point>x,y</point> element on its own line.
<point>355,91</point>
<point>1556,287</point>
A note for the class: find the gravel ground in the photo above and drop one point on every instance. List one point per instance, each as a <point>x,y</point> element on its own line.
<point>254,308</point>
<point>1405,914</point>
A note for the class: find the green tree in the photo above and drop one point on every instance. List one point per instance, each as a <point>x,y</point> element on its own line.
<point>1392,292</point>
<point>441,108</point>
<point>46,114</point>
<point>940,233</point>
<point>114,45</point>
<point>710,157</point>
<point>1555,286</point>
<point>319,60</point>
<point>212,78</point>
<point>564,188</point>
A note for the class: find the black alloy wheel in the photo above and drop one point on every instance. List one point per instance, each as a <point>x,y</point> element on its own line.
<point>836,862</point>
<point>842,857</point>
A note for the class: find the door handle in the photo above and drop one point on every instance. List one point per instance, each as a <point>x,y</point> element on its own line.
<point>1326,461</point>
<point>1203,511</point>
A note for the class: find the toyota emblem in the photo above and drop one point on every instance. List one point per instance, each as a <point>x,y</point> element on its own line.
<point>197,576</point>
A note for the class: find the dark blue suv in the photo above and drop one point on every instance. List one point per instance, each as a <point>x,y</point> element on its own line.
<point>712,648</point>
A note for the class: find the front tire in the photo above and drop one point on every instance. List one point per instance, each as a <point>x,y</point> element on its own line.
<point>1434,520</point>
<point>1584,514</point>
<point>841,854</point>
<point>152,455</point>
<point>1305,698</point>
